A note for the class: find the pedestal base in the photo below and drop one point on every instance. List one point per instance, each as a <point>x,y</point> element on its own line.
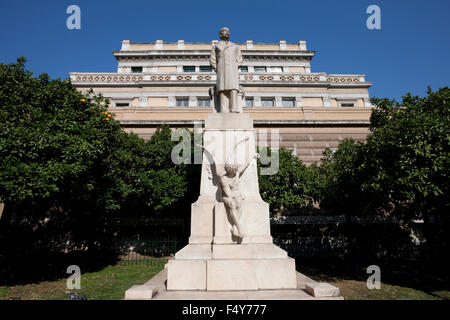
<point>155,289</point>
<point>222,267</point>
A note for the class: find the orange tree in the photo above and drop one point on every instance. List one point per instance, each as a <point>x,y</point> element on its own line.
<point>68,170</point>
<point>402,170</point>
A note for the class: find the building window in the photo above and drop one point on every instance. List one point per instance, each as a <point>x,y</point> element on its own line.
<point>288,102</point>
<point>188,68</point>
<point>203,102</point>
<point>276,69</point>
<point>267,102</point>
<point>205,69</point>
<point>243,69</point>
<point>346,103</point>
<point>122,104</point>
<point>182,102</point>
<point>260,69</point>
<point>249,102</point>
<point>136,69</point>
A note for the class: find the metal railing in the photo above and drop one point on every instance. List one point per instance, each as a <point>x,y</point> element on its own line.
<point>103,77</point>
<point>392,247</point>
<point>146,251</point>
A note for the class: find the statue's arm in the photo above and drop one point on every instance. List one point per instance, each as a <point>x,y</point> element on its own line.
<point>213,59</point>
<point>239,57</point>
<point>245,166</point>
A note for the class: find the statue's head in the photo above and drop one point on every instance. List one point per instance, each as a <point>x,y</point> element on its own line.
<point>224,34</point>
<point>231,168</point>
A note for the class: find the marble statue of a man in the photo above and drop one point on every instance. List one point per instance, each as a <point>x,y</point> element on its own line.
<point>225,60</point>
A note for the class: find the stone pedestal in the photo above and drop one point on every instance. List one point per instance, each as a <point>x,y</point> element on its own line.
<point>216,265</point>
<point>214,260</point>
<point>155,289</point>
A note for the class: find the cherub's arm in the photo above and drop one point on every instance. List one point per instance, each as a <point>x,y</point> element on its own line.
<point>245,166</point>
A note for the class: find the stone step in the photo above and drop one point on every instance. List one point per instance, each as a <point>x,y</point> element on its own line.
<point>247,251</point>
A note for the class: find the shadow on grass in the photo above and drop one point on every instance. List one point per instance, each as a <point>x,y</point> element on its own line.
<point>33,269</point>
<point>428,277</point>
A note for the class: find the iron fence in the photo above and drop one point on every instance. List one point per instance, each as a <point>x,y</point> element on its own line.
<point>312,246</point>
<point>401,248</point>
<point>146,251</point>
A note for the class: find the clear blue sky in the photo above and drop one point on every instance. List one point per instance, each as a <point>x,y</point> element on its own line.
<point>410,51</point>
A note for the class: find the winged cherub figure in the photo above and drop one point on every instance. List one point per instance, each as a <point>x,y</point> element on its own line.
<point>227,177</point>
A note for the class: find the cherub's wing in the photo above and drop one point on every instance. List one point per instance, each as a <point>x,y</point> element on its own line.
<point>229,160</point>
<point>215,169</point>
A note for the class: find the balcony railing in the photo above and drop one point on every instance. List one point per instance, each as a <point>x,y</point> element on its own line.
<point>253,77</point>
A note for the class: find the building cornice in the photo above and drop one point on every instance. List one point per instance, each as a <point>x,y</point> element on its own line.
<point>162,55</point>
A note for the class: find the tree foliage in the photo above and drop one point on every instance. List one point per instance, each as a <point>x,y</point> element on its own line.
<point>67,169</point>
<point>402,169</point>
<point>292,187</point>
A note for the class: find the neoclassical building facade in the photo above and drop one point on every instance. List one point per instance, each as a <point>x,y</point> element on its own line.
<point>169,83</point>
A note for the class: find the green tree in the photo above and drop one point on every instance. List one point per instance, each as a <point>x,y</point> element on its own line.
<point>402,169</point>
<point>412,153</point>
<point>68,171</point>
<point>292,188</point>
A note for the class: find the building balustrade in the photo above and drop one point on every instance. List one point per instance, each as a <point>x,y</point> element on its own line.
<point>211,77</point>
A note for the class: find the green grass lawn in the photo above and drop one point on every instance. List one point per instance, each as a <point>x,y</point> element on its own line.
<point>353,284</point>
<point>112,281</point>
<point>109,283</point>
<point>357,290</point>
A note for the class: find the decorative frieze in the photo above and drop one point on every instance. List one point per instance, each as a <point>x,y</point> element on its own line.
<point>204,76</point>
<point>184,77</point>
<point>343,79</point>
<point>205,58</point>
<point>159,77</point>
<point>310,78</point>
<point>266,77</point>
<point>108,78</point>
<point>287,78</point>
